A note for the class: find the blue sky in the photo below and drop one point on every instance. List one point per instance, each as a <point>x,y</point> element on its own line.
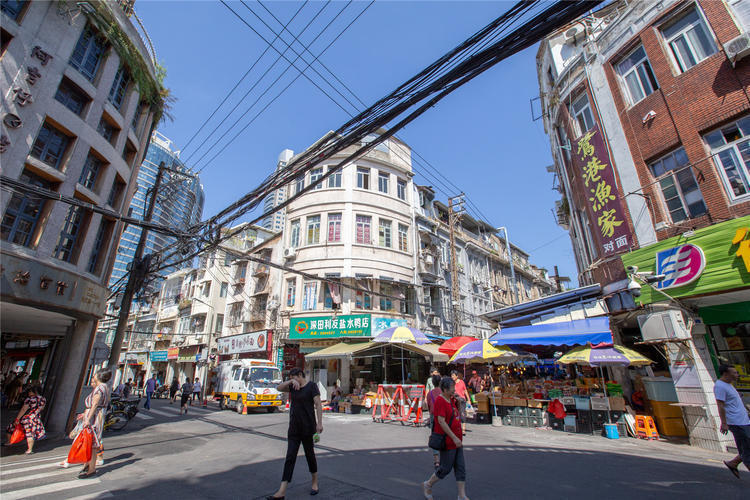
<point>481,137</point>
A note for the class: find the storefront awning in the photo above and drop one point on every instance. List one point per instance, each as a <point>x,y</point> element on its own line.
<point>427,350</point>
<point>340,350</point>
<point>581,331</point>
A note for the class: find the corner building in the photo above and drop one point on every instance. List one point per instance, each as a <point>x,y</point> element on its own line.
<point>647,110</point>
<point>75,121</point>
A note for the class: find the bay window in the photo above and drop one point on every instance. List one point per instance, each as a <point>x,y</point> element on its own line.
<point>637,76</point>
<point>689,39</point>
<point>730,148</point>
<point>363,229</point>
<point>680,191</point>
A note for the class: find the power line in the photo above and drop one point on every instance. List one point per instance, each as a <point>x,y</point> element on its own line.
<point>239,81</point>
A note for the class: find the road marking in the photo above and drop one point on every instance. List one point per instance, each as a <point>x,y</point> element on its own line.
<point>23,462</point>
<point>161,412</point>
<point>140,414</point>
<point>93,496</point>
<point>49,488</point>
<point>7,471</point>
<point>32,477</point>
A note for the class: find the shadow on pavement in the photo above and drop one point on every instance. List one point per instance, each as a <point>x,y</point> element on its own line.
<point>493,472</point>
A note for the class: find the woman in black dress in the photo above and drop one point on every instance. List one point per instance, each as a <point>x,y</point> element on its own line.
<point>305,420</point>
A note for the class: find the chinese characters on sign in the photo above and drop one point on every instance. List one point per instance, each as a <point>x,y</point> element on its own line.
<point>605,209</point>
<point>743,249</point>
<point>246,342</point>
<point>345,325</point>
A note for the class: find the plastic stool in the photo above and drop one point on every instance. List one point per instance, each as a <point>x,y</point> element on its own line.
<point>645,428</point>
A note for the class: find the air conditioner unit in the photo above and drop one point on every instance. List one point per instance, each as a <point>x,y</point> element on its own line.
<point>737,48</point>
<point>290,253</point>
<point>664,325</point>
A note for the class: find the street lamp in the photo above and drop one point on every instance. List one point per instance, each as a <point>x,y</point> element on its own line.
<point>510,260</point>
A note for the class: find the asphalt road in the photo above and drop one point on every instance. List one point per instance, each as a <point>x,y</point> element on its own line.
<point>220,454</point>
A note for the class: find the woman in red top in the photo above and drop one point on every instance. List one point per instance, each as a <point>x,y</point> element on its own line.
<point>462,396</point>
<point>446,413</point>
<point>432,396</point>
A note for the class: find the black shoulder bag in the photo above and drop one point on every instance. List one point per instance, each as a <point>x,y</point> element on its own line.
<point>437,441</point>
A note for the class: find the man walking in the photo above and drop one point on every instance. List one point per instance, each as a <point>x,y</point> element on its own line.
<point>734,417</point>
<point>430,385</point>
<point>305,422</point>
<point>196,391</point>
<point>475,383</point>
<point>150,387</point>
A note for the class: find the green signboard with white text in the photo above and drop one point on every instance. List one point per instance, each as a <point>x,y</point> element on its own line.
<point>714,259</point>
<point>327,327</point>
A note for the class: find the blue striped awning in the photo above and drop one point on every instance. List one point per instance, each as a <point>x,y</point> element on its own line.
<point>577,332</point>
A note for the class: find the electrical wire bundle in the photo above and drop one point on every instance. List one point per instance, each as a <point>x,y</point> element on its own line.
<point>489,46</point>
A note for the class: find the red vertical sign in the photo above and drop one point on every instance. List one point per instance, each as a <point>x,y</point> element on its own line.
<point>592,163</point>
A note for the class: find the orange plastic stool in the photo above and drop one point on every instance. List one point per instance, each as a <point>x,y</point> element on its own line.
<point>645,428</point>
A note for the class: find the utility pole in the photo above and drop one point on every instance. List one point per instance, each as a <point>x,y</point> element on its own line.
<point>455,209</point>
<point>510,262</point>
<point>138,271</point>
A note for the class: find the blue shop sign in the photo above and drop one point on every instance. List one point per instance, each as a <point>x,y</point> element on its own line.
<point>158,355</point>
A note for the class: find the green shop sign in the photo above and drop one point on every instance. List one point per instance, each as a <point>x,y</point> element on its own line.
<point>322,327</point>
<point>714,259</point>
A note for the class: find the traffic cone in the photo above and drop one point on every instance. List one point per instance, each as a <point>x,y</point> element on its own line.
<point>244,409</point>
<point>287,406</point>
<point>205,403</point>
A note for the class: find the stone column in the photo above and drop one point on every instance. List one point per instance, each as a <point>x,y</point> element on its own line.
<point>68,385</point>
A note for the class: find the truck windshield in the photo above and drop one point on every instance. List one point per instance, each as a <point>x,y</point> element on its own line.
<point>265,378</point>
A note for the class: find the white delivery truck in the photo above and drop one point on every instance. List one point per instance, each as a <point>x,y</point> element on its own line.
<point>248,383</point>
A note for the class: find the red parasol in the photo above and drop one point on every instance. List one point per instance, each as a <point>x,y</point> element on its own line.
<point>453,344</point>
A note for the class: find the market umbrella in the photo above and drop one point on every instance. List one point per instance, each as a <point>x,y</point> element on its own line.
<point>481,351</point>
<point>453,344</point>
<point>401,335</point>
<point>603,355</point>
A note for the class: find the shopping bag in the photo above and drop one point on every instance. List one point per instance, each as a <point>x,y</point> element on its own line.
<point>76,430</point>
<point>18,434</point>
<point>80,450</point>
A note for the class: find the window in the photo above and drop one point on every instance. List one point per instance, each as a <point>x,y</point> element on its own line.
<point>71,96</point>
<point>219,323</point>
<point>137,115</point>
<point>115,194</point>
<point>635,71</point>
<point>5,39</point>
<point>334,228</point>
<point>581,111</point>
<point>227,259</point>
<point>313,229</point>
<point>327,298</point>
<point>23,212</point>
<point>107,130</point>
<point>310,299</point>
<point>241,270</point>
<point>403,238</point>
<point>316,174</point>
<point>13,8</point>
<point>383,146</point>
<point>730,147</point>
<point>363,229</point>
<point>363,178</point>
<point>401,189</point>
<point>224,289</point>
<point>386,302</point>
<point>71,230</point>
<point>562,136</point>
<point>334,181</point>
<point>88,53</point>
<point>128,153</point>
<point>119,88</point>
<point>50,146</point>
<point>100,243</point>
<point>689,40</point>
<point>291,292</point>
<point>383,180</point>
<point>299,184</point>
<point>90,172</point>
<point>206,290</point>
<point>678,186</point>
<point>384,233</point>
<point>235,314</point>
<point>294,234</point>
<point>362,300</point>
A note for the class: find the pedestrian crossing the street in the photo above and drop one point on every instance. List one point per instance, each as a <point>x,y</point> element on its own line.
<point>43,478</point>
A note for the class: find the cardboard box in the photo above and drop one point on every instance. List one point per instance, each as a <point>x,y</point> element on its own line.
<point>617,403</point>
<point>519,402</point>
<point>507,402</point>
<point>483,406</point>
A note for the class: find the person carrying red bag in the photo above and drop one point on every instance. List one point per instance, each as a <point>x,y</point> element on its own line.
<point>93,421</point>
<point>29,417</point>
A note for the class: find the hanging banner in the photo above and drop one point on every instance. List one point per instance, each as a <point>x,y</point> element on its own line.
<point>345,325</point>
<point>379,325</point>
<point>592,163</point>
<point>188,354</point>
<point>173,352</point>
<point>246,342</point>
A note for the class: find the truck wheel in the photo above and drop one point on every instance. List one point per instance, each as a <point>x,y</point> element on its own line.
<point>223,403</point>
<point>273,409</point>
<point>239,406</point>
